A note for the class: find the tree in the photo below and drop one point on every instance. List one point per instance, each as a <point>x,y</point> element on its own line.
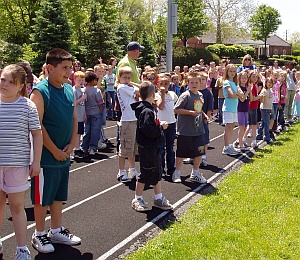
<point>228,18</point>
<point>100,38</point>
<point>264,22</point>
<point>295,41</point>
<point>192,20</point>
<point>147,56</point>
<point>51,30</point>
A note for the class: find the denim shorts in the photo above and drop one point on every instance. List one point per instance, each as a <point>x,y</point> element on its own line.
<point>252,116</point>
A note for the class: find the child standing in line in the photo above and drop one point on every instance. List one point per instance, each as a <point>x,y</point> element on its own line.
<point>165,101</point>
<point>190,141</point>
<point>176,82</point>
<point>231,94</point>
<point>211,85</point>
<point>127,148</point>
<point>110,79</point>
<point>296,103</point>
<point>273,121</point>
<point>19,115</point>
<point>207,108</point>
<point>55,103</point>
<point>219,87</point>
<point>282,93</point>
<point>253,105</point>
<point>266,109</point>
<point>79,79</point>
<point>149,137</point>
<point>243,106</point>
<point>93,110</point>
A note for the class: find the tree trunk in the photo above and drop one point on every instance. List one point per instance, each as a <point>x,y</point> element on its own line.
<point>219,31</point>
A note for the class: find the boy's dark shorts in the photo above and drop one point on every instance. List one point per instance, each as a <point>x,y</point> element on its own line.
<point>80,130</point>
<point>150,165</point>
<point>206,134</point>
<point>190,146</point>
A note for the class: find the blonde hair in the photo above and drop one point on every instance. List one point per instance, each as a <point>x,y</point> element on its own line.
<point>250,74</point>
<point>79,74</point>
<point>239,75</point>
<point>125,70</point>
<point>225,73</point>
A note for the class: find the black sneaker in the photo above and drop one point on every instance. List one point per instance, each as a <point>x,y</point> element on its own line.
<point>79,153</point>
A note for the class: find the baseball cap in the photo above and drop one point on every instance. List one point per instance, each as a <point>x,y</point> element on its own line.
<point>134,46</point>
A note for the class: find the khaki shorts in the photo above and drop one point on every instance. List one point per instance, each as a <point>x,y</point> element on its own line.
<point>128,145</point>
<point>14,179</point>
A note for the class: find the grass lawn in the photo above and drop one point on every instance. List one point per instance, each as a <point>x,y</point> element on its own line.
<point>253,213</point>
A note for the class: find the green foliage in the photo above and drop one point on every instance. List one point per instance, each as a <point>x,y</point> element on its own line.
<point>264,22</point>
<point>189,56</point>
<point>28,54</point>
<point>51,30</point>
<point>288,57</point>
<point>295,52</point>
<point>192,20</point>
<point>123,37</point>
<point>147,56</point>
<point>281,62</point>
<point>275,56</point>
<point>233,51</point>
<point>9,53</point>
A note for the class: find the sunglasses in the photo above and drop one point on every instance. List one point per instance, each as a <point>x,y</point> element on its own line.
<point>247,59</point>
<point>150,78</point>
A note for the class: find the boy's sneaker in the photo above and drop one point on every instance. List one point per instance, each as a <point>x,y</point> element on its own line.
<point>101,145</point>
<point>176,176</point>
<point>133,173</point>
<point>204,163</point>
<point>230,150</point>
<point>64,237</point>
<point>254,145</point>
<point>122,176</point>
<point>139,205</point>
<point>42,243</point>
<point>1,246</point>
<point>163,204</point>
<point>243,148</point>
<point>92,151</point>
<point>236,143</point>
<point>22,254</point>
<point>79,153</point>
<point>197,177</point>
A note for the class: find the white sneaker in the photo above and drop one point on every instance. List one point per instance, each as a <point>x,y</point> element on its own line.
<point>133,174</point>
<point>1,246</point>
<point>42,243</point>
<point>254,145</point>
<point>92,151</point>
<point>122,176</point>
<point>101,145</point>
<point>176,176</point>
<point>197,177</point>
<point>64,237</point>
<point>22,254</point>
<point>204,162</point>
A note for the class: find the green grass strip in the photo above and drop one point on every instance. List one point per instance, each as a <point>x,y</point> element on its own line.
<point>252,214</point>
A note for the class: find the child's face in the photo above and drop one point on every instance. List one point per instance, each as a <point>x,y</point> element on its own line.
<point>243,79</point>
<point>253,78</point>
<point>269,84</point>
<point>213,74</point>
<point>100,72</point>
<point>175,80</point>
<point>177,69</point>
<point>163,83</point>
<point>61,73</point>
<point>281,78</point>
<point>194,84</point>
<point>203,81</point>
<point>275,76</point>
<point>8,88</point>
<point>79,81</point>
<point>125,78</point>
<point>231,73</point>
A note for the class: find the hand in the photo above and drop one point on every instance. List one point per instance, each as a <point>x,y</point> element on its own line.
<point>100,60</point>
<point>34,169</point>
<point>194,113</point>
<point>61,155</point>
<point>162,90</point>
<point>164,124</point>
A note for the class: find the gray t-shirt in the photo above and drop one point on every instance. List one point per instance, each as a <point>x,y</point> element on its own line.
<point>185,123</point>
<point>80,108</point>
<point>93,99</point>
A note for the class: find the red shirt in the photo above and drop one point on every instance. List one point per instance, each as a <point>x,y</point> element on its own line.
<point>254,104</point>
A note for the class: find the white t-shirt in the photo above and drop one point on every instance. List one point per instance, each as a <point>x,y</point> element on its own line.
<point>126,98</point>
<point>167,114</point>
<point>17,119</point>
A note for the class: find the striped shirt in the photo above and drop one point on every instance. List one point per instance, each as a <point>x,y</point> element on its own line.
<point>17,119</point>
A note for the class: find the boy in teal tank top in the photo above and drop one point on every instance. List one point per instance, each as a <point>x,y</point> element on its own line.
<point>56,107</point>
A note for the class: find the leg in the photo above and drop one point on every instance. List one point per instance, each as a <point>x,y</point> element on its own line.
<point>170,137</point>
<point>2,206</point>
<point>139,188</point>
<point>39,216</point>
<point>56,214</point>
<point>197,161</point>
<point>16,205</point>
<point>228,133</point>
<point>178,163</point>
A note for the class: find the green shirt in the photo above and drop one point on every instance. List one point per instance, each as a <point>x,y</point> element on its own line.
<point>127,61</point>
<point>57,119</point>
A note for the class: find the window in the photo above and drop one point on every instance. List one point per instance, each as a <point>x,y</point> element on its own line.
<point>275,51</point>
<point>284,52</point>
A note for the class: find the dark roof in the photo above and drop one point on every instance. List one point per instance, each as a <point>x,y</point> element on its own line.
<point>275,40</point>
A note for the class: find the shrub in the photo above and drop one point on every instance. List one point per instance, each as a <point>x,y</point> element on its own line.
<point>275,56</point>
<point>10,53</point>
<point>191,56</point>
<point>296,52</point>
<point>232,51</point>
<point>287,57</point>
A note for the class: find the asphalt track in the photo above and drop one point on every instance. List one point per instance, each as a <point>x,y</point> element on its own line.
<point>99,207</point>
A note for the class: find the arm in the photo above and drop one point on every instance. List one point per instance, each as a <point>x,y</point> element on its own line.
<point>182,111</point>
<point>232,94</point>
<point>37,138</point>
<point>161,102</point>
<point>69,147</point>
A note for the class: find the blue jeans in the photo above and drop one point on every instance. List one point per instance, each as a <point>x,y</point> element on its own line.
<point>221,102</point>
<point>168,148</point>
<point>265,124</point>
<point>91,135</point>
<point>281,115</point>
<point>111,98</point>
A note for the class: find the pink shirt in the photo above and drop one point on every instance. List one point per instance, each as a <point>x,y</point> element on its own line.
<point>275,92</point>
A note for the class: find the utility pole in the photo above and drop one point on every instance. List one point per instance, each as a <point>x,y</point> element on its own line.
<point>171,29</point>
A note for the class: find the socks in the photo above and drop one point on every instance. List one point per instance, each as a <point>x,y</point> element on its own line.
<point>40,233</point>
<point>158,196</point>
<point>138,197</point>
<point>203,157</point>
<point>55,230</point>
<point>22,247</point>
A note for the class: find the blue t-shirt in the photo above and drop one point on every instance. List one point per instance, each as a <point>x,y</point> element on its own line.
<point>241,68</point>
<point>208,100</point>
<point>230,104</point>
